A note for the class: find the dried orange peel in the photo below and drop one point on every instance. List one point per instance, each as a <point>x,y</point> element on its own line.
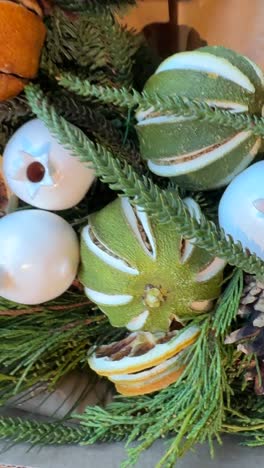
<point>22,36</point>
<point>144,362</point>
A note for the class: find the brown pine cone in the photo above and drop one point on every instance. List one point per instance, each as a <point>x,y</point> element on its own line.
<point>251,309</point>
<point>250,337</point>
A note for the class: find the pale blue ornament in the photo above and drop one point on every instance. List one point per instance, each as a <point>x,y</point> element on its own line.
<point>241,209</point>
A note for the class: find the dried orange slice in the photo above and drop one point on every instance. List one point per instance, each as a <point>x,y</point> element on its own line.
<point>169,376</point>
<point>140,351</point>
<point>152,374</point>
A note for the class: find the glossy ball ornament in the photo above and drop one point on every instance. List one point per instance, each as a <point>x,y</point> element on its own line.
<point>201,155</point>
<point>241,209</point>
<point>39,256</point>
<point>41,172</point>
<point>22,34</point>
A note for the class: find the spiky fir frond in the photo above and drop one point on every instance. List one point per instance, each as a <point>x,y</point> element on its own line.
<point>176,105</point>
<point>96,45</point>
<point>162,205</point>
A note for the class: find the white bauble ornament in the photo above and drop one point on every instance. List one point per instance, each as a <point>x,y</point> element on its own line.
<point>41,171</point>
<point>8,201</point>
<point>39,256</point>
<point>241,209</point>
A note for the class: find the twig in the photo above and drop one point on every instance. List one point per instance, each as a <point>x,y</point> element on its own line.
<point>32,310</point>
<point>68,326</point>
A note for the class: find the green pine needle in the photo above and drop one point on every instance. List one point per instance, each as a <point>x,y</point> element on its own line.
<point>176,105</point>
<point>41,344</point>
<point>223,316</point>
<point>33,432</point>
<point>162,205</point>
<point>193,410</point>
<point>98,47</point>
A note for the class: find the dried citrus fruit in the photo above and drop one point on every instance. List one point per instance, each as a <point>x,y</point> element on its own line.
<point>143,274</point>
<point>201,154</point>
<point>144,362</point>
<point>22,35</point>
<point>140,351</point>
<point>150,384</point>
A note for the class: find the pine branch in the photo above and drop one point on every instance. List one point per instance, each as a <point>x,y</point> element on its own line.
<point>12,110</point>
<point>33,432</point>
<point>106,94</point>
<point>246,418</point>
<point>120,46</point>
<point>162,205</point>
<point>66,328</point>
<point>176,105</point>
<point>91,118</point>
<point>13,113</point>
<point>194,413</point>
<point>58,433</point>
<point>233,290</point>
<point>189,412</point>
<point>6,132</point>
<point>95,44</point>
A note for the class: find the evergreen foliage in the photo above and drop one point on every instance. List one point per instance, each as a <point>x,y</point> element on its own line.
<point>189,412</point>
<point>174,105</point>
<point>163,205</point>
<point>90,82</point>
<point>41,344</point>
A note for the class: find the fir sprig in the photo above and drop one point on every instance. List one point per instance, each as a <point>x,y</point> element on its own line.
<point>13,109</point>
<point>100,48</point>
<point>187,411</point>
<point>12,113</point>
<point>56,433</point>
<point>176,105</point>
<point>162,205</point>
<point>94,122</point>
<point>41,344</point>
<point>33,432</point>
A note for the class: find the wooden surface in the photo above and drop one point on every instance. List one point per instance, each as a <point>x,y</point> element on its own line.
<point>237,24</point>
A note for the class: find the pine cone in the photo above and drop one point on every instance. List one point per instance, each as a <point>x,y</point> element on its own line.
<point>251,335</point>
